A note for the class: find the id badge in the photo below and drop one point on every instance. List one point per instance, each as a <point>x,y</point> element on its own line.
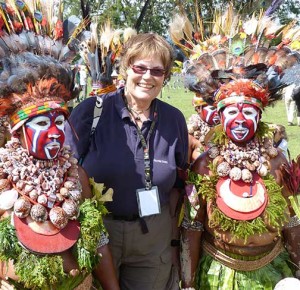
<point>148,201</point>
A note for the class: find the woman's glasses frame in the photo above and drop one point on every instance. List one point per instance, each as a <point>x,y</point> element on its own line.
<point>140,69</point>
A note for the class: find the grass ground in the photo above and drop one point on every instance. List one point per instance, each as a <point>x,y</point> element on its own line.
<point>175,94</point>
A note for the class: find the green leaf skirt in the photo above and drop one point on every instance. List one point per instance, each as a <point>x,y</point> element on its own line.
<point>212,275</point>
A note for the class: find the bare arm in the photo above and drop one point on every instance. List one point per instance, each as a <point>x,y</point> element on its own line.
<point>291,232</point>
<point>194,148</point>
<point>292,242</point>
<point>191,236</point>
<point>104,272</point>
<point>189,255</point>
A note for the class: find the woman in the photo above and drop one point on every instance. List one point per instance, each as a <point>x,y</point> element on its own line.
<point>136,149</point>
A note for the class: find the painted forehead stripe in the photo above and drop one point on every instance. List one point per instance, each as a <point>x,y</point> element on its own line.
<point>239,99</point>
<point>37,109</point>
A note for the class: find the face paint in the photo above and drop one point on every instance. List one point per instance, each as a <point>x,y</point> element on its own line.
<point>240,121</point>
<point>209,115</point>
<point>45,135</point>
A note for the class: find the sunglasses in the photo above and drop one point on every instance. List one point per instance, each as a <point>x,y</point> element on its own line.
<point>155,72</point>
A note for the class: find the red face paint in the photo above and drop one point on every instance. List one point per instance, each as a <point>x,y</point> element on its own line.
<point>240,121</point>
<point>45,134</point>
<point>209,115</point>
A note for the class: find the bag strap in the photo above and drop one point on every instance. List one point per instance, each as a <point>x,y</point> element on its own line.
<point>97,114</point>
<point>96,117</point>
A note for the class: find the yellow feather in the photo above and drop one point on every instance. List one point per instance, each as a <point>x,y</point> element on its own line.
<point>127,33</point>
<point>106,36</point>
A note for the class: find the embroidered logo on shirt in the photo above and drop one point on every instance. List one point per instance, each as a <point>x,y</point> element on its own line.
<point>160,161</point>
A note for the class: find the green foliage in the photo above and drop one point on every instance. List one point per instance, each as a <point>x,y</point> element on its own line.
<point>125,13</point>
<point>206,188</point>
<point>38,272</point>
<point>10,247</point>
<point>91,226</point>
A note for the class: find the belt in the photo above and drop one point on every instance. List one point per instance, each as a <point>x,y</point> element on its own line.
<point>127,218</point>
<point>130,218</point>
<point>243,265</point>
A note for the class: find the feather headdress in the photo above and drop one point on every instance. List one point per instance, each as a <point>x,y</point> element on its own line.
<point>36,49</point>
<point>240,57</point>
<point>101,53</point>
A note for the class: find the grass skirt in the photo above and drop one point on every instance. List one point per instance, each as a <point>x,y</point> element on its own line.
<point>212,275</point>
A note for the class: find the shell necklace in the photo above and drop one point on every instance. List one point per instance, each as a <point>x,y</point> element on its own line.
<point>198,128</point>
<point>238,162</point>
<point>43,189</point>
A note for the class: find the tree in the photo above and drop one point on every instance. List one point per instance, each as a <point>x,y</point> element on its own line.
<point>154,15</point>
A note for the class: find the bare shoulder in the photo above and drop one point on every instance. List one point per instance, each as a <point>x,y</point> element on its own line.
<point>85,183</point>
<point>200,165</point>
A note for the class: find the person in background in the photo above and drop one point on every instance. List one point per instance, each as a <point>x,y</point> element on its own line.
<point>114,75</point>
<point>280,139</point>
<point>290,105</point>
<point>200,124</point>
<point>83,82</point>
<point>138,146</point>
<point>102,57</point>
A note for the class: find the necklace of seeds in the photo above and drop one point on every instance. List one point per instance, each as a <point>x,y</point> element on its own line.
<point>41,185</point>
<point>239,162</point>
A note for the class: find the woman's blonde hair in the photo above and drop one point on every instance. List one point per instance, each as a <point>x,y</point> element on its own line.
<point>144,45</point>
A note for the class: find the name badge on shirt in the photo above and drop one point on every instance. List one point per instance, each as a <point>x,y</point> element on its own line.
<point>148,201</point>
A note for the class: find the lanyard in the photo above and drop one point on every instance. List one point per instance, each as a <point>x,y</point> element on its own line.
<point>145,144</point>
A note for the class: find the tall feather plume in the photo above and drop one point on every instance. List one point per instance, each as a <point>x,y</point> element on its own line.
<point>35,44</point>
<point>179,35</point>
<point>256,48</point>
<point>127,33</point>
<point>101,50</point>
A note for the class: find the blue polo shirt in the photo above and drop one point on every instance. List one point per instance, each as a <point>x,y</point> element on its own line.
<point>115,155</point>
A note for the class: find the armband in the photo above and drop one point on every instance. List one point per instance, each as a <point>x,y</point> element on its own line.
<point>192,225</point>
<point>104,240</point>
<point>294,221</point>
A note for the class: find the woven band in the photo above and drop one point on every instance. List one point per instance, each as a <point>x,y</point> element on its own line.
<point>242,265</point>
<point>239,99</point>
<point>100,91</point>
<point>192,225</point>
<point>104,240</point>
<point>37,109</point>
<point>293,222</point>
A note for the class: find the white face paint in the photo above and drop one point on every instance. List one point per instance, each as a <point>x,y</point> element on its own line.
<point>240,121</point>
